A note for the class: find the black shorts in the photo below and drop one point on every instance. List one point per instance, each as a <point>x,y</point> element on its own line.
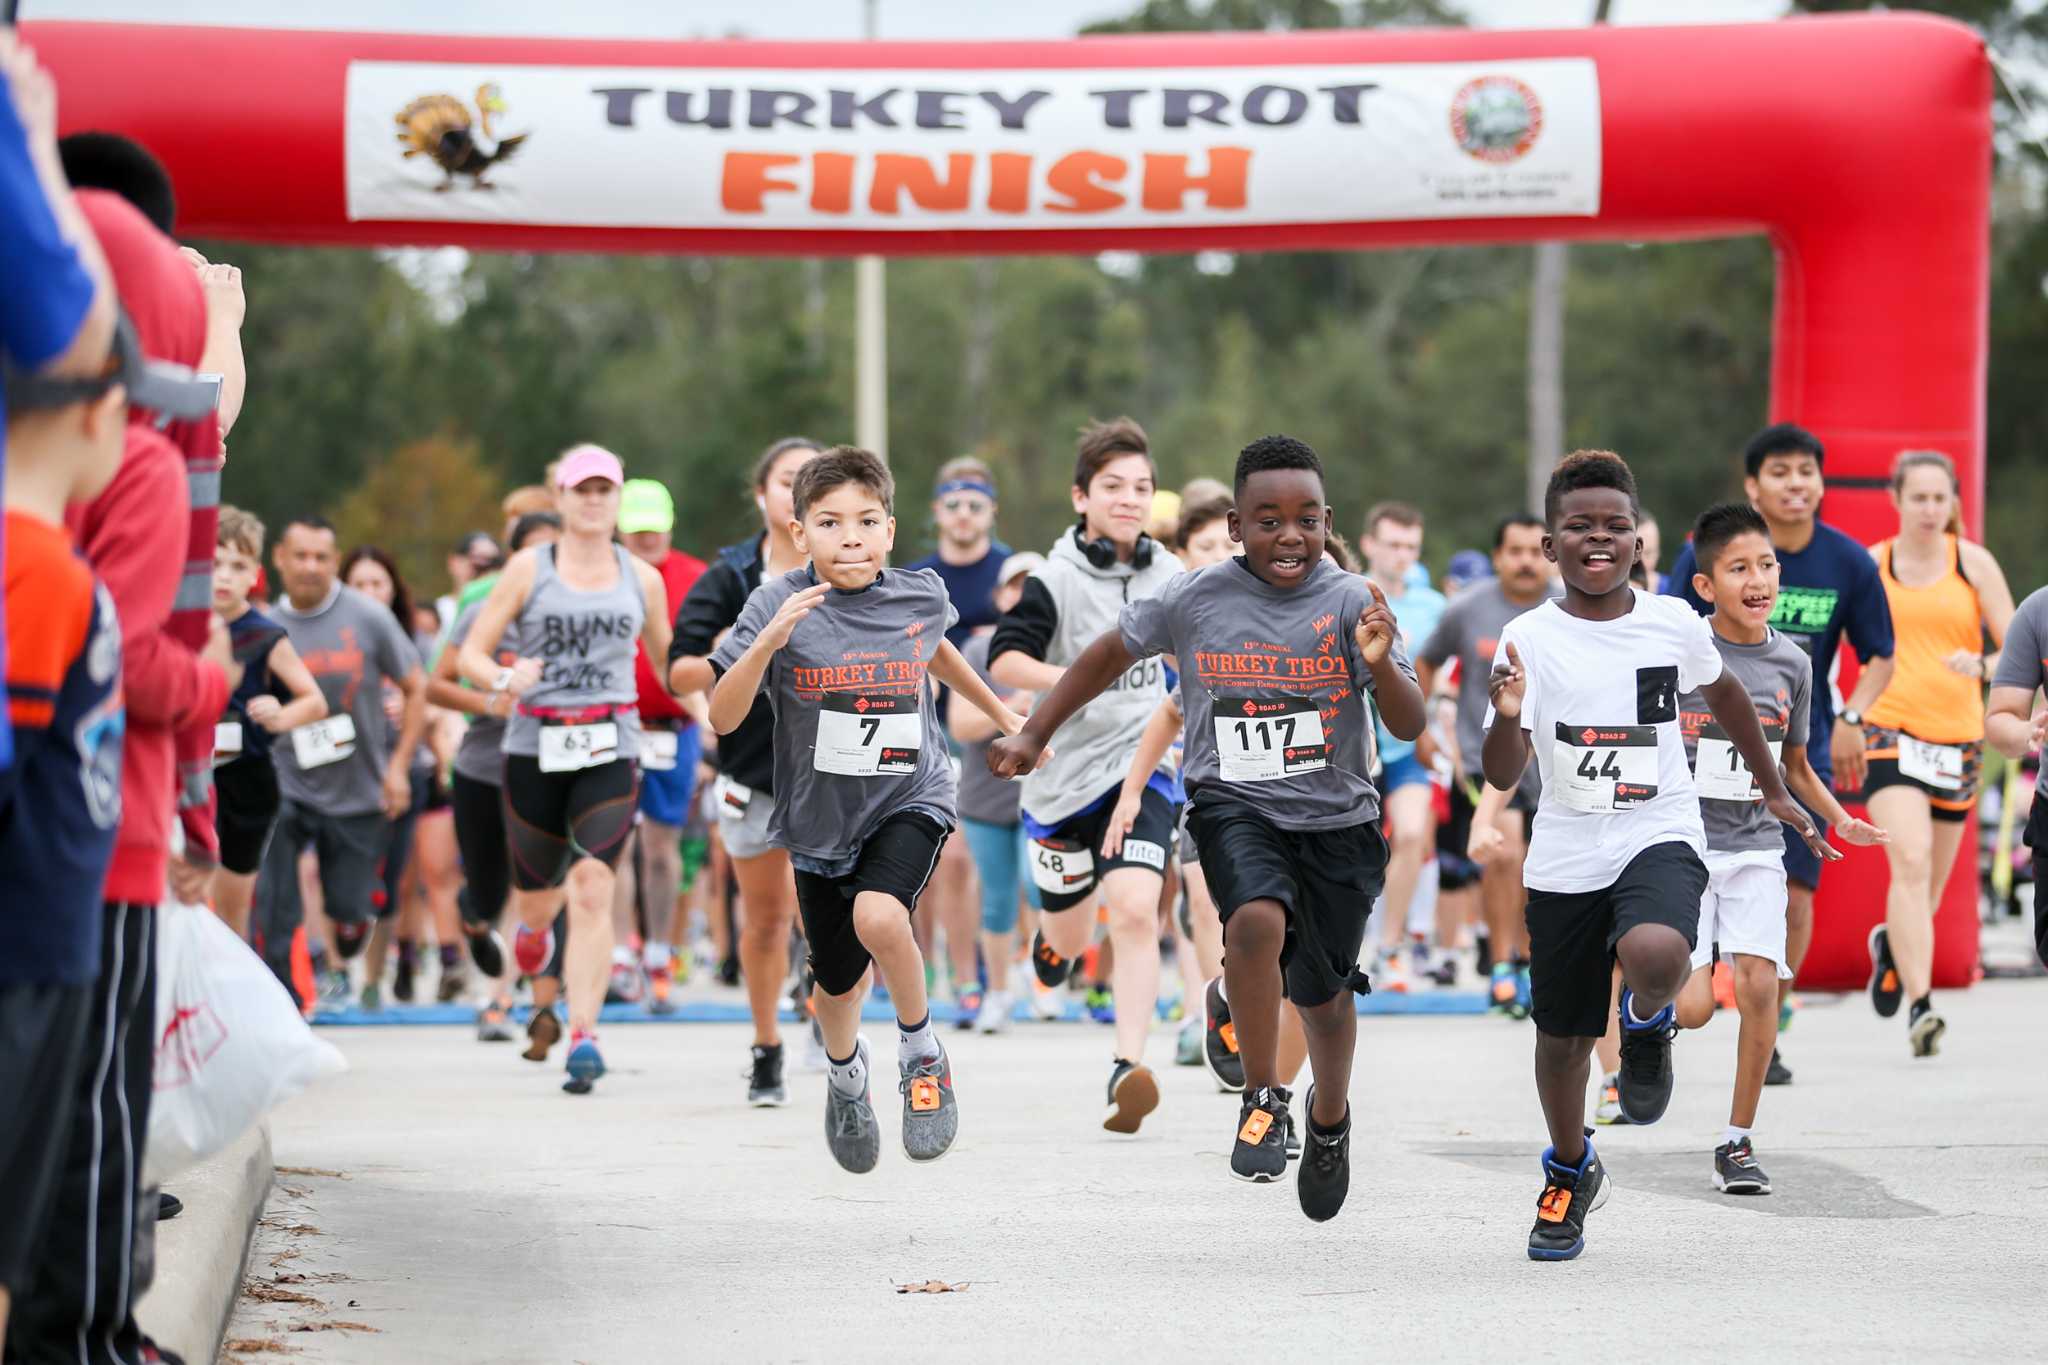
<point>1455,871</point>
<point>42,1042</point>
<point>1572,935</point>
<point>1065,877</point>
<point>553,819</point>
<point>897,860</point>
<point>2037,840</point>
<point>1326,879</point>
<point>248,809</point>
<point>1802,864</point>
<point>1948,805</point>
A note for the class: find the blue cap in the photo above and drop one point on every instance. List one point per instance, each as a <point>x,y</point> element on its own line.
<point>1468,566</point>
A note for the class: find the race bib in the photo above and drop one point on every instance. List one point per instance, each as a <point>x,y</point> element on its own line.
<point>1061,867</point>
<point>227,741</point>
<point>863,734</point>
<point>1938,765</point>
<point>733,798</point>
<point>1718,770</point>
<point>323,742</point>
<point>658,751</point>
<point>1601,769</point>
<point>569,748</point>
<point>1263,739</point>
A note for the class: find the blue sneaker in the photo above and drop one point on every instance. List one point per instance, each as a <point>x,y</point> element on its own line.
<point>1569,1194</point>
<point>1101,1005</point>
<point>586,1064</point>
<point>1523,1000</point>
<point>1643,1084</point>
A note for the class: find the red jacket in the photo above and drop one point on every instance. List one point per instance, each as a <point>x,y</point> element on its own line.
<point>137,537</point>
<point>678,572</point>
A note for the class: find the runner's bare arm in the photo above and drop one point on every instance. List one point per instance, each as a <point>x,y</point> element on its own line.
<point>2010,723</point>
<point>1153,743</point>
<point>1485,839</point>
<point>508,596</point>
<point>1994,605</point>
<point>1015,668</point>
<point>1098,666</point>
<point>953,670</point>
<point>1736,714</point>
<point>1397,696</point>
<point>1506,751</point>
<point>734,696</point>
<point>1805,784</point>
<point>445,689</point>
<point>308,702</point>
<point>412,723</point>
<point>968,725</point>
<point>657,631</point>
<point>1846,744</point>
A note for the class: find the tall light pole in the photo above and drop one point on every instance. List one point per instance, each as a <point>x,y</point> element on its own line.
<point>871,333</point>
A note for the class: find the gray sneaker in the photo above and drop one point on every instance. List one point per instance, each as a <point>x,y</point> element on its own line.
<point>850,1128</point>
<point>931,1116</point>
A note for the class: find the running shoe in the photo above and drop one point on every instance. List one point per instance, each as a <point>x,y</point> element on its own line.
<point>1445,973</point>
<point>486,949</point>
<point>931,1115</point>
<point>624,986</point>
<point>816,1060</point>
<point>1777,1073</point>
<point>1219,1040</point>
<point>1389,975</point>
<point>729,970</point>
<point>1052,969</point>
<point>585,1064</point>
<point>1923,1034</point>
<point>1046,1005</point>
<point>1724,985</point>
<point>1787,1009</point>
<point>531,949</point>
<point>1569,1194</point>
<point>1736,1171</point>
<point>995,1013</point>
<point>1101,1004</point>
<point>373,998</point>
<point>1608,1111</point>
<point>661,984</point>
<point>451,985</point>
<point>1524,994</point>
<point>402,980</point>
<point>1259,1153</point>
<point>1325,1175</point>
<point>1187,1047</point>
<point>1885,991</point>
<point>1643,1085</point>
<point>492,1026</point>
<point>765,1089</point>
<point>1290,1138</point>
<point>333,988</point>
<point>543,1031</point>
<point>850,1128</point>
<point>1133,1093</point>
<point>1501,993</point>
<point>968,1002</point>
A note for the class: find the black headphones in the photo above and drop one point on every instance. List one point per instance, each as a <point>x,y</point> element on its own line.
<point>1102,553</point>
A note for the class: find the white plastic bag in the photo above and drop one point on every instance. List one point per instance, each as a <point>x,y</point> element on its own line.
<point>230,1042</point>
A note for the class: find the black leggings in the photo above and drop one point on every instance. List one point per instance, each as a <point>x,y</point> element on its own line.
<point>480,838</point>
<point>552,819</point>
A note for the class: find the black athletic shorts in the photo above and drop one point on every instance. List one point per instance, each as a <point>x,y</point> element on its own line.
<point>248,809</point>
<point>1067,864</point>
<point>2037,840</point>
<point>1327,880</point>
<point>42,1042</point>
<point>1802,864</point>
<point>897,860</point>
<point>1454,870</point>
<point>1572,935</point>
<point>553,819</point>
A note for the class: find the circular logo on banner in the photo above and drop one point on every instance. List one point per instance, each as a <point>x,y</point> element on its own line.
<point>1496,118</point>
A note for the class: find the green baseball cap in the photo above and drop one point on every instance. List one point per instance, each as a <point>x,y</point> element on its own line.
<point>644,505</point>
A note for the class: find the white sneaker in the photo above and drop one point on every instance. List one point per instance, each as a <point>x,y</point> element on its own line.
<point>1046,1004</point>
<point>814,1050</point>
<point>995,1013</point>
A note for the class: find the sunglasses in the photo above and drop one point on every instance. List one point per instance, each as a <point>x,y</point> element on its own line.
<point>967,505</point>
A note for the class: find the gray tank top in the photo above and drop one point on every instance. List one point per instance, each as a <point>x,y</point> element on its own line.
<point>585,642</point>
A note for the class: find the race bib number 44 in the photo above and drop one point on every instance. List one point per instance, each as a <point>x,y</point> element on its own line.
<point>1263,739</point>
<point>863,734</point>
<point>1601,769</point>
<point>324,741</point>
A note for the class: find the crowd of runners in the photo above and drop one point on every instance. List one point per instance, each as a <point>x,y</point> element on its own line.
<point>1198,732</point>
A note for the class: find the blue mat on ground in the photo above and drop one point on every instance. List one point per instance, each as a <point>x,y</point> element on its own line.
<point>875,1011</point>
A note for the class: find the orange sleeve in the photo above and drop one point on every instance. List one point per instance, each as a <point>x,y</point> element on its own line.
<point>49,611</point>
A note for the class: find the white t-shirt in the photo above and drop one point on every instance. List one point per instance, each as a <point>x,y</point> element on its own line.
<point>1601,713</point>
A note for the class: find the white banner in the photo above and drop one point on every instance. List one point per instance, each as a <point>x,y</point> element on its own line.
<point>737,148</point>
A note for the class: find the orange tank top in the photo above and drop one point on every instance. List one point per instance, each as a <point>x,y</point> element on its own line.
<point>1926,698</point>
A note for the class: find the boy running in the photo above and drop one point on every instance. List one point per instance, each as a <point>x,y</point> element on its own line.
<point>1278,649</point>
<point>864,792</point>
<point>1743,911</point>
<point>1589,685</point>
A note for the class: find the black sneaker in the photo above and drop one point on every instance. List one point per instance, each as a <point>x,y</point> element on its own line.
<point>1777,1073</point>
<point>1736,1171</point>
<point>1885,991</point>
<point>1568,1196</point>
<point>486,949</point>
<point>1133,1093</point>
<point>1325,1175</point>
<point>1291,1136</point>
<point>168,1206</point>
<point>764,1084</point>
<point>1052,969</point>
<point>1260,1153</point>
<point>1643,1083</point>
<point>1219,1040</point>
<point>402,983</point>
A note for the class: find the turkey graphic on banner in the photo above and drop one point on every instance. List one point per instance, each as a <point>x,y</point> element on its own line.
<point>926,150</point>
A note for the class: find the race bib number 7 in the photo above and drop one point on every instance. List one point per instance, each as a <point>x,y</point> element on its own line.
<point>1601,769</point>
<point>1263,739</point>
<point>862,734</point>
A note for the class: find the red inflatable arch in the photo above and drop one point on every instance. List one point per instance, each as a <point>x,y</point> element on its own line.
<point>1860,145</point>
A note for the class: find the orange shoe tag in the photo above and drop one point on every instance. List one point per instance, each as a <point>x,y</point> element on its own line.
<point>1552,1206</point>
<point>1890,982</point>
<point>1256,1126</point>
<point>1228,1033</point>
<point>924,1095</point>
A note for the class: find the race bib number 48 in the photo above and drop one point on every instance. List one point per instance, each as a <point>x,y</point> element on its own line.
<point>864,734</point>
<point>1601,769</point>
<point>1061,867</point>
<point>1263,739</point>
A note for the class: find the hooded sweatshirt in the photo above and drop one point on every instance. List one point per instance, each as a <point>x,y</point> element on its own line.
<point>136,535</point>
<point>1065,606</point>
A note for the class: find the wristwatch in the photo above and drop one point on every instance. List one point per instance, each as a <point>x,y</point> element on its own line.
<point>1853,717</point>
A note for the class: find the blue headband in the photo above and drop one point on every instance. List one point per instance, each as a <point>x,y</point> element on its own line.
<point>987,490</point>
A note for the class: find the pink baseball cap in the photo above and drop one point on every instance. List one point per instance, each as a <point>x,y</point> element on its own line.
<point>588,462</point>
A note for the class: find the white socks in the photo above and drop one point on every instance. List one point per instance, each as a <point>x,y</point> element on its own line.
<point>850,1078</point>
<point>916,1045</point>
<point>1733,1134</point>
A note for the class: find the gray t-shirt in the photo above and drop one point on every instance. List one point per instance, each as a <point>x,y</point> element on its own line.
<point>1273,690</point>
<point>985,797</point>
<point>1469,631</point>
<point>352,644</point>
<point>585,642</point>
<point>857,733</point>
<point>481,755</point>
<point>1778,676</point>
<point>2023,658</point>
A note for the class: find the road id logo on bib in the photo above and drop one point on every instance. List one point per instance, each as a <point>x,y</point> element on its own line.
<point>1601,769</point>
<point>1718,770</point>
<point>869,734</point>
<point>1263,739</point>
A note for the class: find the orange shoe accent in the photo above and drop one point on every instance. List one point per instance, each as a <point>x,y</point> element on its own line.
<point>1724,986</point>
<point>1228,1033</point>
<point>302,970</point>
<point>1256,1126</point>
<point>1555,1203</point>
<point>1890,981</point>
<point>924,1095</point>
<point>1503,989</point>
<point>1610,1094</point>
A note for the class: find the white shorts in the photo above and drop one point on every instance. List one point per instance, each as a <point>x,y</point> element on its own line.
<point>1743,910</point>
<point>742,818</point>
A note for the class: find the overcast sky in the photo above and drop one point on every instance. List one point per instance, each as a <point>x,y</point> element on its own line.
<point>787,18</point>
